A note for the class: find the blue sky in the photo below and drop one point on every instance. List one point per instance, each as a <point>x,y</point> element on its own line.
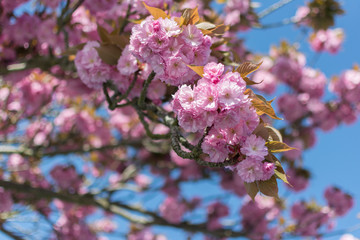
<point>335,159</point>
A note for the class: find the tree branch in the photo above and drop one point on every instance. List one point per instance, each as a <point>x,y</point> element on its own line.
<point>141,101</point>
<point>148,218</point>
<point>273,8</point>
<point>30,152</point>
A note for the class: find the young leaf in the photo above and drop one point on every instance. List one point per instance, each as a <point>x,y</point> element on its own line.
<point>261,131</point>
<point>110,54</point>
<point>275,146</point>
<point>269,187</point>
<point>247,67</point>
<point>179,20</point>
<point>205,25</point>
<point>194,18</point>
<point>156,12</point>
<point>282,176</point>
<point>119,40</point>
<point>250,82</point>
<point>219,43</point>
<point>251,189</point>
<point>275,135</point>
<point>190,16</point>
<point>261,105</point>
<point>206,32</point>
<point>279,171</point>
<point>136,21</point>
<point>198,69</point>
<point>220,30</point>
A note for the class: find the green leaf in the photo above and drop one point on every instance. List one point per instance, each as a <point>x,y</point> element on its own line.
<point>156,12</point>
<point>103,34</point>
<point>247,67</point>
<point>251,189</point>
<point>282,176</point>
<point>261,105</point>
<point>120,40</point>
<point>280,173</point>
<point>110,54</point>
<point>275,146</point>
<point>198,69</point>
<point>269,187</point>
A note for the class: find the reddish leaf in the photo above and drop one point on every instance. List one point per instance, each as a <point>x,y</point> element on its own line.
<point>189,16</point>
<point>269,187</point>
<point>275,135</point>
<point>110,54</point>
<point>275,146</point>
<point>261,105</point>
<point>251,189</point>
<point>156,12</point>
<point>198,69</point>
<point>247,67</point>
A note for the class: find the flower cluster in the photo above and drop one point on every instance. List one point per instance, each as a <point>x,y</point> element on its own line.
<point>24,172</point>
<point>215,211</point>
<point>168,49</point>
<point>100,5</point>
<point>309,218</point>
<point>37,89</point>
<point>339,201</point>
<point>71,223</point>
<point>6,201</point>
<point>173,210</point>
<point>144,234</point>
<point>38,132</point>
<point>83,123</point>
<point>91,69</point>
<point>329,40</point>
<point>218,101</point>
<point>298,179</point>
<point>66,177</point>
<point>239,14</point>
<point>347,86</point>
<point>256,216</point>
<point>267,81</point>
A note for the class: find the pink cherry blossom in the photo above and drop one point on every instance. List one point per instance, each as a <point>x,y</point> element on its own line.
<point>213,71</point>
<point>250,170</point>
<point>255,148</point>
<point>172,210</point>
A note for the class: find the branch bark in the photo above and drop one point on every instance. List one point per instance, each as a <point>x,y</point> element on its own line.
<point>146,217</point>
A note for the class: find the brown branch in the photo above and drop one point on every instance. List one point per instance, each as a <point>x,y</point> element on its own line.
<point>147,218</point>
<point>30,152</point>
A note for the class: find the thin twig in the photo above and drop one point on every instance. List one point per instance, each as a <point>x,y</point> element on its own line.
<point>141,101</point>
<point>273,8</point>
<point>276,24</point>
<point>128,12</point>
<point>142,216</point>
